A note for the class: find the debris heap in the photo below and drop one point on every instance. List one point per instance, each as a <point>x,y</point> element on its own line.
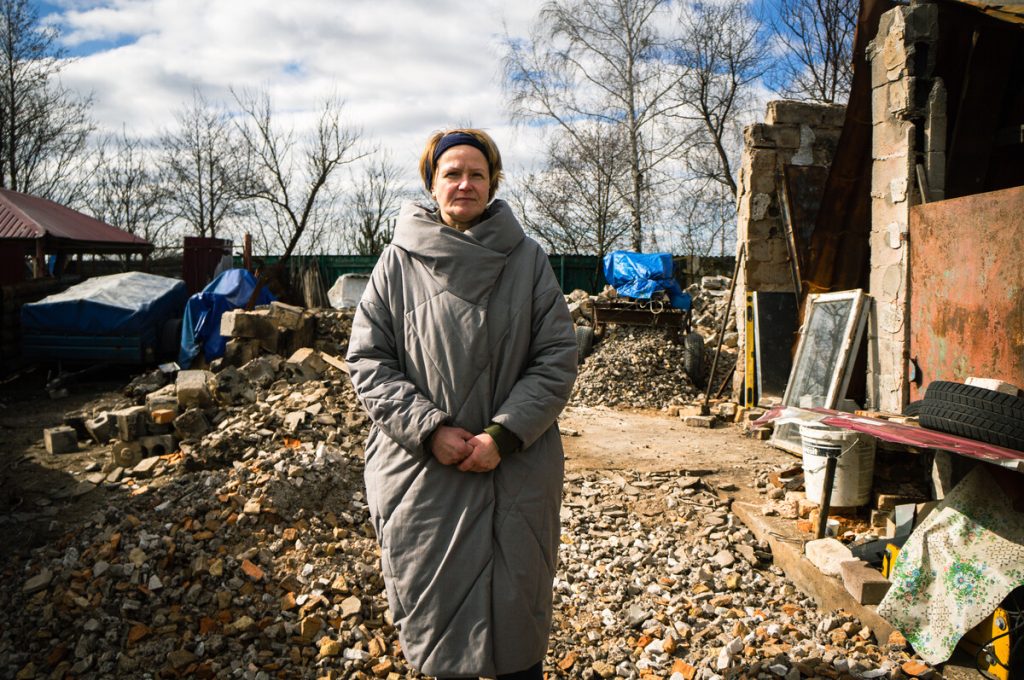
<point>644,367</point>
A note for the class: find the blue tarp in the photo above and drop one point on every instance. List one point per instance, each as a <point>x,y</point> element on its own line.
<point>200,329</point>
<point>128,304</point>
<point>640,275</point>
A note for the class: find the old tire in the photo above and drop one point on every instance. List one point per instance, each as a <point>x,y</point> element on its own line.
<point>693,357</point>
<point>584,342</point>
<point>974,412</point>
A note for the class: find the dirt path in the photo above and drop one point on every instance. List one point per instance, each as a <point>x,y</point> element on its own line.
<point>603,438</point>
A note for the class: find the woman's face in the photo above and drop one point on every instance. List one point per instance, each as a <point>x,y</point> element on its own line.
<point>461,186</point>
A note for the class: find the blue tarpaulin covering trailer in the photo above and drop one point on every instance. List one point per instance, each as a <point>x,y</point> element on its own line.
<point>117,318</point>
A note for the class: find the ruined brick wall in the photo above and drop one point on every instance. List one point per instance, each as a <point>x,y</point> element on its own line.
<point>793,133</point>
<point>908,130</point>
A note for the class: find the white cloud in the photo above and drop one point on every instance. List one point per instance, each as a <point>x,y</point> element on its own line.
<point>404,68</point>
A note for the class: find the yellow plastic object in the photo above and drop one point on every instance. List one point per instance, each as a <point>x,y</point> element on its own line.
<point>989,644</point>
<point>889,559</point>
<point>750,373</point>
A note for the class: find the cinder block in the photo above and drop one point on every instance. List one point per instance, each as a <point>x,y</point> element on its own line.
<point>193,389</point>
<point>828,554</point>
<point>865,583</point>
<point>76,419</point>
<point>699,421</point>
<point>60,439</point>
<point>158,445</point>
<point>131,422</point>
<point>240,323</point>
<point>286,316</point>
<point>100,428</point>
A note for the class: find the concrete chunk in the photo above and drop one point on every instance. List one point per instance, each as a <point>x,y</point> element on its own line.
<point>307,362</point>
<point>828,555</point>
<point>699,421</point>
<point>192,424</point>
<point>60,439</point>
<point>287,316</point>
<point>193,389</point>
<point>146,467</point>
<point>865,583</point>
<point>240,323</point>
<point>100,428</point>
<point>131,422</point>
<point>158,445</point>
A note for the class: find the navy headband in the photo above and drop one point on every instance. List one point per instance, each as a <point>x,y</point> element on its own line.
<point>455,139</point>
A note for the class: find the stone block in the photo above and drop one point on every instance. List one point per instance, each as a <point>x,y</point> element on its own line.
<point>158,445</point>
<point>100,428</point>
<point>727,410</point>
<point>828,555</point>
<point>763,171</point>
<point>131,422</point>
<point>922,510</point>
<point>699,421</point>
<point>240,323</point>
<point>306,363</point>
<point>192,424</point>
<point>865,583</point>
<point>60,439</point>
<point>791,111</point>
<point>287,316</point>
<point>193,389</point>
<point>165,397</point>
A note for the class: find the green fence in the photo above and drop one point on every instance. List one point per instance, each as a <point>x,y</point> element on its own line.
<point>573,271</point>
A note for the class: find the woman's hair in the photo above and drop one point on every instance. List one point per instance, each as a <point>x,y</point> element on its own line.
<point>490,150</point>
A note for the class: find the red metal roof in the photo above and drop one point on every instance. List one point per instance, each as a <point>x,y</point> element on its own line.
<point>27,218</point>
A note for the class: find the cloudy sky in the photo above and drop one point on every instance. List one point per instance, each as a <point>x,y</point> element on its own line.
<point>403,67</point>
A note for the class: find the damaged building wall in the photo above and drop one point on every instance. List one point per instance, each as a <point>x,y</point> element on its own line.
<point>908,117</point>
<point>793,134</point>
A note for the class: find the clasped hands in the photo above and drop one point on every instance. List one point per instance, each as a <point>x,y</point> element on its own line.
<point>470,452</point>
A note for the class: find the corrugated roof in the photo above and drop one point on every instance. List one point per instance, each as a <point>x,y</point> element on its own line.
<point>25,218</point>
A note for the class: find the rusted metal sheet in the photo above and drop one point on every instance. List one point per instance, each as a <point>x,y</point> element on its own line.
<point>967,288</point>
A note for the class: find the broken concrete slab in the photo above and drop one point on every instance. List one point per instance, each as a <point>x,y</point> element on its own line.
<point>192,424</point>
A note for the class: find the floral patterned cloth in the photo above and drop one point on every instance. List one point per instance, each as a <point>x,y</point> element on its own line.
<point>956,567</point>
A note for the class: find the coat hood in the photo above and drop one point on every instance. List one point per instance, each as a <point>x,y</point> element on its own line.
<point>465,263</point>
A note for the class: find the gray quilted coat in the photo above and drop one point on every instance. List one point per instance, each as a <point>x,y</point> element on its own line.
<point>465,329</point>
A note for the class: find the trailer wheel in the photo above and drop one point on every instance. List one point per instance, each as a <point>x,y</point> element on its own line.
<point>974,412</point>
<point>584,342</point>
<point>693,357</point>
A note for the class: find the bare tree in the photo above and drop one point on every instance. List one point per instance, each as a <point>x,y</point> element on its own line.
<point>44,128</point>
<point>375,202</point>
<point>705,213</point>
<point>290,174</point>
<point>721,48</point>
<point>203,161</point>
<point>127,190</point>
<point>600,61</point>
<point>817,36</point>
<point>572,205</point>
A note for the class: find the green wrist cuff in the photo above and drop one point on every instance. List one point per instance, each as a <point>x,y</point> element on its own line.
<point>507,441</point>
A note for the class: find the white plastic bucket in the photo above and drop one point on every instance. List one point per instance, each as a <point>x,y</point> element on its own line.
<point>854,467</point>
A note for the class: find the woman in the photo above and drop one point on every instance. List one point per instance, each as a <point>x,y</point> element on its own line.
<point>463,354</point>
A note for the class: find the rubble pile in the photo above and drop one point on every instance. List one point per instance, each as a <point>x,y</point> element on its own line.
<point>634,366</point>
<point>644,366</point>
<point>659,579</point>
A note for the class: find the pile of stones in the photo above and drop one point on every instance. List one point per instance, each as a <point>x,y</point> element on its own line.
<point>659,579</point>
<point>644,367</point>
